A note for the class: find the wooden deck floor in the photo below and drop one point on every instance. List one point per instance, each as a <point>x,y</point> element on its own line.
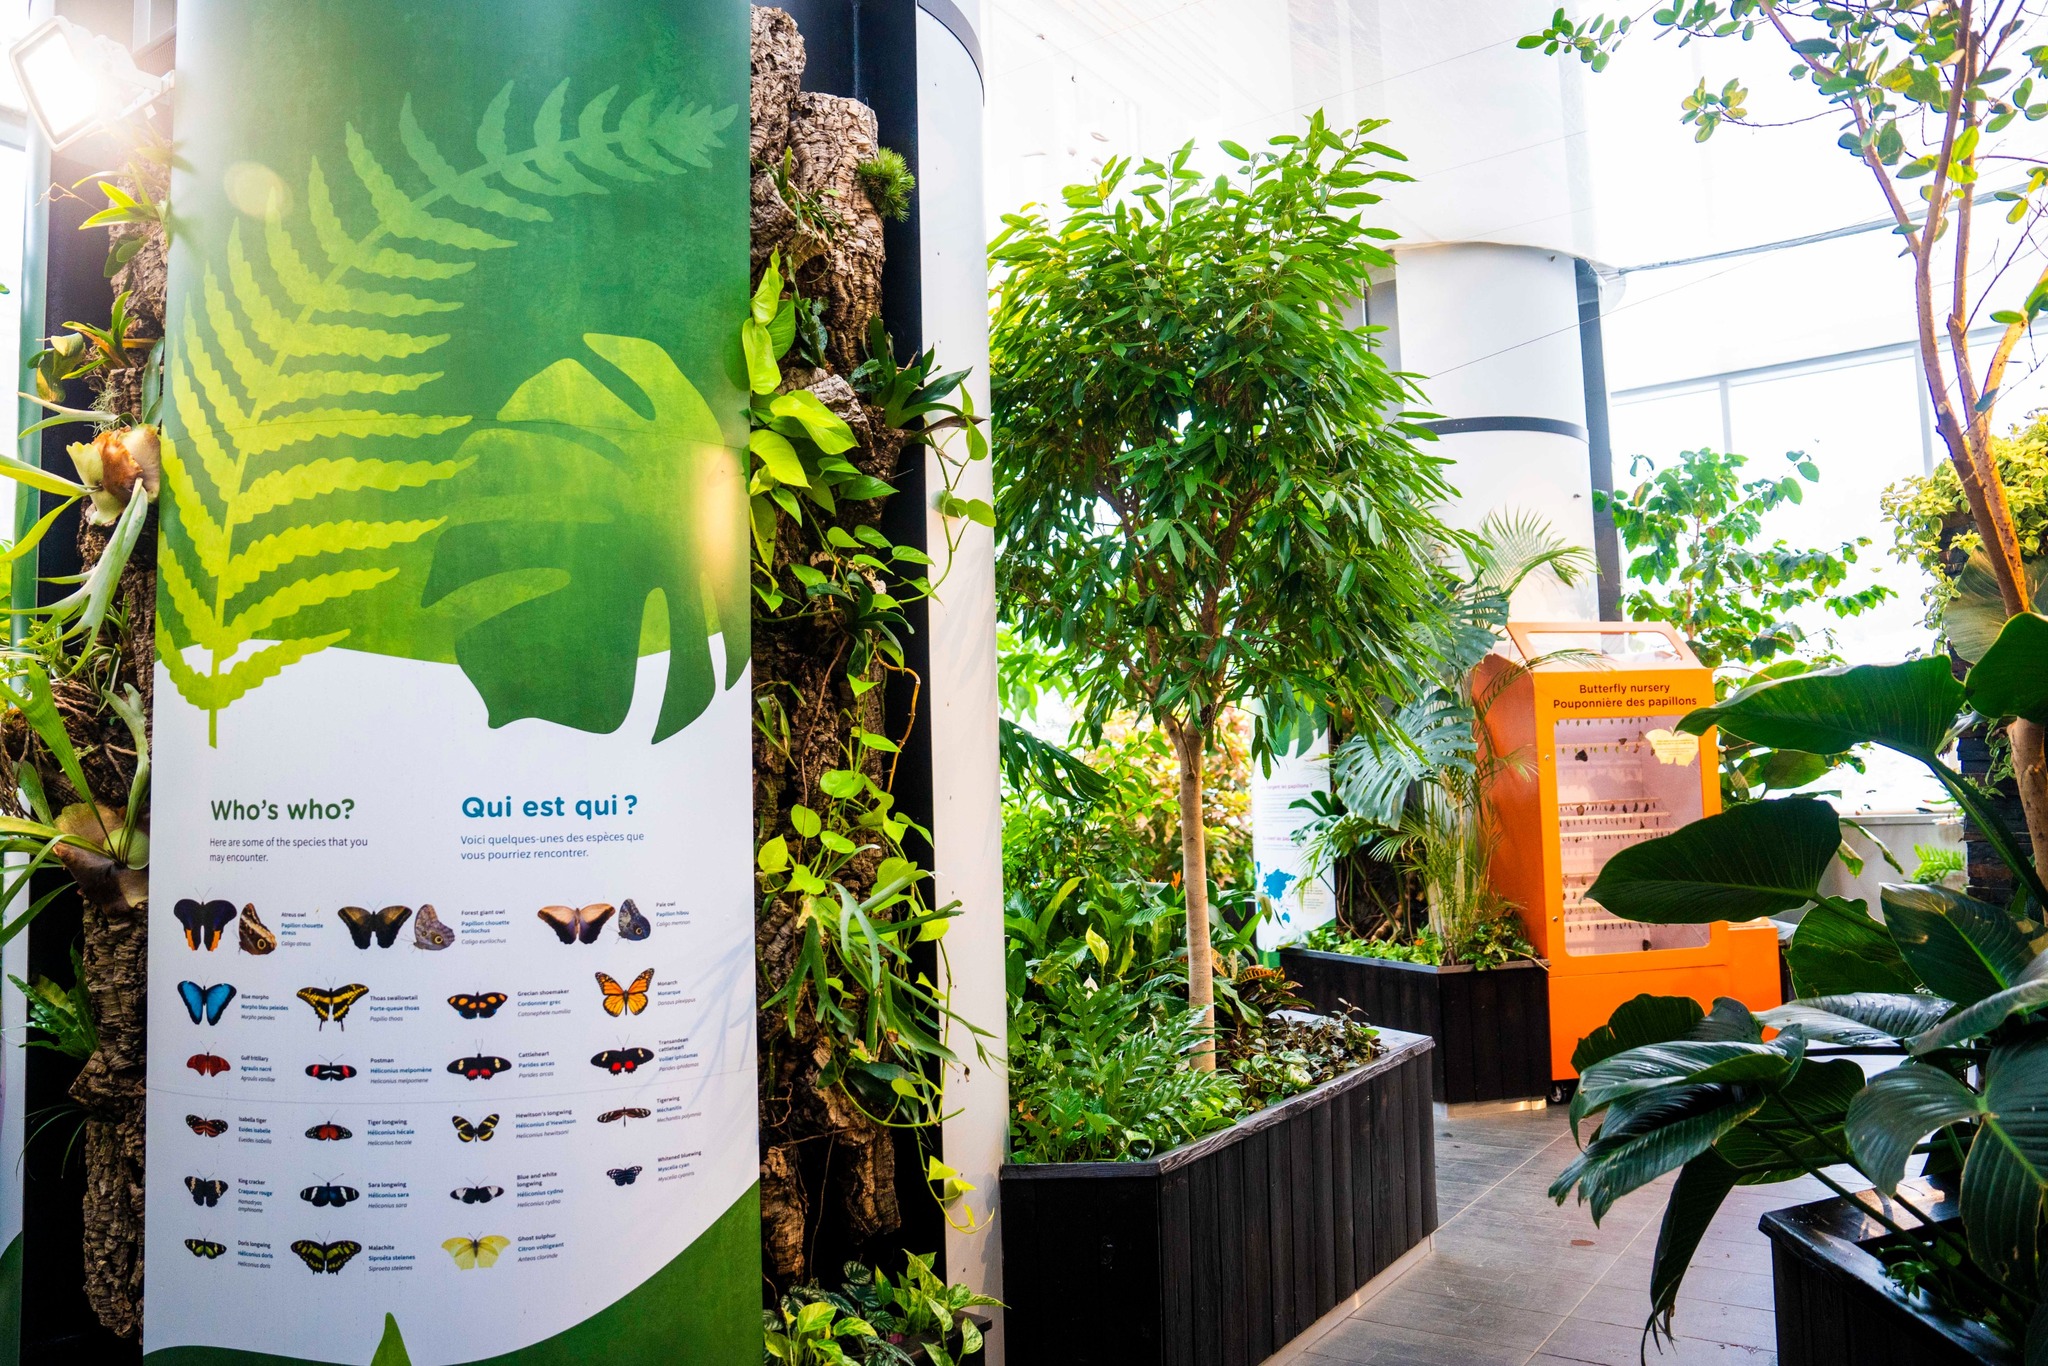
<point>1515,1280</point>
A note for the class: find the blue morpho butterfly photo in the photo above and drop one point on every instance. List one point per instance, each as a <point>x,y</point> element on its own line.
<point>207,1002</point>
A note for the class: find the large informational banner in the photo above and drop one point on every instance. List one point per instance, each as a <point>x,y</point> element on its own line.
<point>1293,901</point>
<point>451,1009</point>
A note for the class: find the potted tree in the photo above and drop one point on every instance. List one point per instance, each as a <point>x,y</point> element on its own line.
<point>1208,492</point>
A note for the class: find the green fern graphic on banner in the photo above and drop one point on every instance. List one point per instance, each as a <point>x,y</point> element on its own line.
<point>293,351</point>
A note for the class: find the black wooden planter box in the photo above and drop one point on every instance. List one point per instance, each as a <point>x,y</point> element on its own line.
<point>1492,1028</point>
<point>1219,1252</point>
<point>1836,1307</point>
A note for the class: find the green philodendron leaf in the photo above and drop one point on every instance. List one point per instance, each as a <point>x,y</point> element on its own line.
<point>595,484</point>
<point>1898,1109</point>
<point>2012,677</point>
<point>1692,1062</point>
<point>1838,950</point>
<point>1817,1097</point>
<point>1696,1197</point>
<point>2029,991</point>
<point>1908,707</point>
<point>1759,858</point>
<point>1976,614</point>
<point>1870,1019</point>
<point>1960,947</point>
<point>1643,1020</point>
<point>1646,1135</point>
<point>2007,1171</point>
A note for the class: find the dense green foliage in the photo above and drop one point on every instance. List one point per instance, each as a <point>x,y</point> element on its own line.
<point>1208,489</point>
<point>1956,985</point>
<point>1700,563</point>
<point>1931,521</point>
<point>913,1319</point>
<point>1414,792</point>
<point>1490,944</point>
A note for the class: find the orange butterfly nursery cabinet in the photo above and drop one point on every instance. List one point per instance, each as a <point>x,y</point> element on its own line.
<point>1593,721</point>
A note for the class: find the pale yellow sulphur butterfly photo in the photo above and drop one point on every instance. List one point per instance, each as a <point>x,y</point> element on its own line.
<point>1673,748</point>
<point>475,1252</point>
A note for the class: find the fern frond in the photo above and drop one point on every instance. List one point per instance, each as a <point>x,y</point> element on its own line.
<point>275,551</point>
<point>252,621</point>
<point>274,356</point>
<point>316,478</point>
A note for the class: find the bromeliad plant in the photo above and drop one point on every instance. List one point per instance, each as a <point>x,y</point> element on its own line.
<point>1956,987</point>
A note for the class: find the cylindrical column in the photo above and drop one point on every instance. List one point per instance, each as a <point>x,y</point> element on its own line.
<point>1493,332</point>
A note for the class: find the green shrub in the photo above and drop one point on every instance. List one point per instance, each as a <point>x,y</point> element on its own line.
<point>886,180</point>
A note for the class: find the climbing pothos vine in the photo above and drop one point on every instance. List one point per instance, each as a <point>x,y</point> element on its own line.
<point>839,851</point>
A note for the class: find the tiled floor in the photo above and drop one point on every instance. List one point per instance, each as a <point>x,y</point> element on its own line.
<point>1515,1280</point>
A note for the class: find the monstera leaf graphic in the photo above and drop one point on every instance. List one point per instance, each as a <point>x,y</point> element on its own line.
<point>611,507</point>
<point>298,368</point>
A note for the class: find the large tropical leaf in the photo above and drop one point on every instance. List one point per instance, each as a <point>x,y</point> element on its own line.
<point>1976,614</point>
<point>1759,858</point>
<point>1898,1109</point>
<point>1696,1197</point>
<point>1838,950</point>
<point>1432,734</point>
<point>591,484</point>
<point>1686,1062</point>
<point>2012,677</point>
<point>1908,707</point>
<point>1647,1134</point>
<point>1057,771</point>
<point>1960,947</point>
<point>2029,991</point>
<point>1641,1020</point>
<point>1798,1127</point>
<point>2007,1171</point>
<point>1863,1019</point>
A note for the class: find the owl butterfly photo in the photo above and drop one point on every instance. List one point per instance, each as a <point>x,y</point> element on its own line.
<point>429,933</point>
<point>256,936</point>
<point>382,925</point>
<point>632,925</point>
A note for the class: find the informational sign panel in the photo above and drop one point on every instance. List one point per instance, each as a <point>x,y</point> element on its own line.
<point>1294,902</point>
<point>451,1009</point>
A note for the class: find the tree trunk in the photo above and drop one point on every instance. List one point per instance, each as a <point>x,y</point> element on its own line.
<point>2030,775</point>
<point>1194,877</point>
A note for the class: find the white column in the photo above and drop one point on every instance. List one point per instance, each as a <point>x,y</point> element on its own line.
<point>967,818</point>
<point>1494,333</point>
